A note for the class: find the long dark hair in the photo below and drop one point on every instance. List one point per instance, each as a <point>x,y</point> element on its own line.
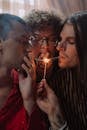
<point>79,22</point>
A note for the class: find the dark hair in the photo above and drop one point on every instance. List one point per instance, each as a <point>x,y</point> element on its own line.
<point>41,20</point>
<point>7,24</point>
<point>79,22</point>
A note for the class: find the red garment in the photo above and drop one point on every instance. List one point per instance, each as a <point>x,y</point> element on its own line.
<point>13,116</point>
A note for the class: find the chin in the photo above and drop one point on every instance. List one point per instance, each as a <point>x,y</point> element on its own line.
<point>62,65</point>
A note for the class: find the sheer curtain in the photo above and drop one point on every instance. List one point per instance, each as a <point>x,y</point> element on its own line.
<point>21,7</point>
<point>61,7</point>
<point>67,7</point>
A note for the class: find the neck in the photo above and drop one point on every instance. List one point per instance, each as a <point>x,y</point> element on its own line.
<point>5,85</point>
<point>5,77</point>
<point>3,71</point>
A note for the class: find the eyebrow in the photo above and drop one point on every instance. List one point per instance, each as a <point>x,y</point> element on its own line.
<point>71,38</point>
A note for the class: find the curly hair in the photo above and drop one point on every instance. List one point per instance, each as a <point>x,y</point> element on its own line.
<point>40,20</point>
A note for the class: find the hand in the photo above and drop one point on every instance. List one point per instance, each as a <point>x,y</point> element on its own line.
<point>46,98</point>
<point>26,83</point>
<point>48,102</point>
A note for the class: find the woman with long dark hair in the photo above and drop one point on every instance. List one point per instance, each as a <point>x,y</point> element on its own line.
<point>72,83</point>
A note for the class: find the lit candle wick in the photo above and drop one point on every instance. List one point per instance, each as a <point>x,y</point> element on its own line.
<point>45,61</point>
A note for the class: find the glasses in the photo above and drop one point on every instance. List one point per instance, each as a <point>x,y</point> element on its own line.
<point>41,40</point>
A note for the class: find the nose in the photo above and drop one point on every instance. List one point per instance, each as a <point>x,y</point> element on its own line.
<point>59,46</point>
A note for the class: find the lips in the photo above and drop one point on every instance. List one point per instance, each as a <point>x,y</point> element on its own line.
<point>63,55</point>
<point>60,56</point>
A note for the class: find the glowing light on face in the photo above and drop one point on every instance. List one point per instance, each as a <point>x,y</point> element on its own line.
<point>46,60</point>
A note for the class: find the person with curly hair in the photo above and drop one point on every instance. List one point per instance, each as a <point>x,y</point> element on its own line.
<point>45,28</point>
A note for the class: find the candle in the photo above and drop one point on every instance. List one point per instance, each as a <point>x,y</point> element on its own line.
<point>45,60</point>
<point>44,71</point>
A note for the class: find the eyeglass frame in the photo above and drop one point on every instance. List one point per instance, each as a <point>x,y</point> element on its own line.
<point>40,40</point>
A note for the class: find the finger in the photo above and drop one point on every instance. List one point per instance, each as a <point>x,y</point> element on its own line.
<point>28,62</point>
<point>46,86</point>
<point>42,104</point>
<point>39,90</point>
<point>27,69</point>
<point>32,59</point>
<point>31,56</point>
<point>41,84</point>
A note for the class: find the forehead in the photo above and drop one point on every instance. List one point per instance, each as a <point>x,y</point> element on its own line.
<point>67,31</point>
<point>46,32</point>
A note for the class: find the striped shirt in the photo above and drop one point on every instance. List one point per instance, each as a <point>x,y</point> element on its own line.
<point>73,96</point>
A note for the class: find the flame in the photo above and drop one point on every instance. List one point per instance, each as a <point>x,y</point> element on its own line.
<point>46,60</point>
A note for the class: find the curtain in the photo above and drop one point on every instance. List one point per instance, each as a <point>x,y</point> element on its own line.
<point>61,7</point>
<point>20,7</point>
<point>67,7</point>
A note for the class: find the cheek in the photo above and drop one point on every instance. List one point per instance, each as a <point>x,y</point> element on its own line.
<point>75,60</point>
<point>69,58</point>
<point>13,55</point>
<point>19,55</point>
<point>8,57</point>
<point>72,57</point>
<point>36,51</point>
<point>63,62</point>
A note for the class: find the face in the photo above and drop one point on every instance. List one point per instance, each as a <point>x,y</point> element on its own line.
<point>68,56</point>
<point>44,37</point>
<point>44,48</point>
<point>13,53</point>
<point>47,36</point>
